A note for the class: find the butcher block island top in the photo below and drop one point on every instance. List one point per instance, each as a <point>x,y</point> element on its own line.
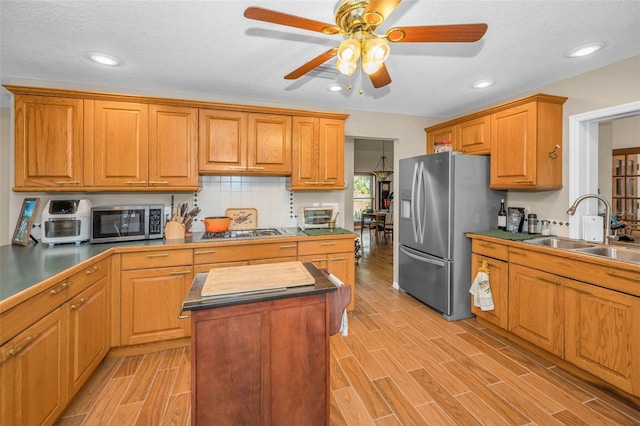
<point>262,357</point>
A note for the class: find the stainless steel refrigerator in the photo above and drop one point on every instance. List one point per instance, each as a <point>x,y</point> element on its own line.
<point>443,196</point>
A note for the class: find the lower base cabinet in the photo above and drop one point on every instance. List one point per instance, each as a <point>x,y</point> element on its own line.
<point>33,373</point>
<point>261,363</point>
<point>602,334</point>
<point>499,275</point>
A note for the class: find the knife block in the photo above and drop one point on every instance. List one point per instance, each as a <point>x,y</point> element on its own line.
<point>174,230</point>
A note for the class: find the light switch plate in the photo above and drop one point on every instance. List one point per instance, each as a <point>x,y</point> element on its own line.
<point>592,229</point>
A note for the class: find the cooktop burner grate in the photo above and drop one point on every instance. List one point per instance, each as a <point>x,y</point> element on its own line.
<point>246,233</point>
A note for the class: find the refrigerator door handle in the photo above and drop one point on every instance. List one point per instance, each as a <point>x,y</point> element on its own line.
<point>414,203</point>
<point>420,208</point>
<point>421,258</point>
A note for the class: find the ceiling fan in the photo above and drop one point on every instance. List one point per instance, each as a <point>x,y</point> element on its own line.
<point>357,20</point>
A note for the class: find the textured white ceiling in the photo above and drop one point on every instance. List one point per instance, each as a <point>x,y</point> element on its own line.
<point>208,50</point>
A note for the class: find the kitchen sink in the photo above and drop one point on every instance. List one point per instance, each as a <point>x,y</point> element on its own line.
<point>560,243</point>
<point>624,255</point>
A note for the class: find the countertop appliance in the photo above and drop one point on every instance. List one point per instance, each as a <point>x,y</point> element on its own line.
<point>66,221</point>
<point>442,196</point>
<point>127,223</point>
<point>315,217</point>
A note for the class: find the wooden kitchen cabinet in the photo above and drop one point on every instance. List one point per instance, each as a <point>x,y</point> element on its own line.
<point>206,258</point>
<point>336,256</point>
<point>526,145</point>
<point>474,136</point>
<point>33,372</point>
<point>261,363</point>
<point>496,257</point>
<point>536,308</point>
<point>318,154</point>
<point>48,143</point>
<point>440,135</point>
<point>235,142</point>
<point>602,334</point>
<point>153,286</point>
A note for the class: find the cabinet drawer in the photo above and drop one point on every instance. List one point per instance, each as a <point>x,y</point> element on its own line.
<point>155,259</point>
<point>490,249</point>
<point>18,318</point>
<point>242,253</point>
<point>325,246</point>
<point>80,281</point>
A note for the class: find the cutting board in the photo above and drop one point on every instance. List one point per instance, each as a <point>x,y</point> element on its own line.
<point>242,219</point>
<point>255,278</point>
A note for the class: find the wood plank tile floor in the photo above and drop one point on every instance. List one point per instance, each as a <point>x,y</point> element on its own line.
<point>401,364</point>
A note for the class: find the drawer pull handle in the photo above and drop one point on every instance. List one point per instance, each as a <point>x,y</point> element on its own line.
<point>182,316</point>
<point>13,352</point>
<point>487,245</point>
<point>514,251</point>
<point>204,252</point>
<point>158,255</point>
<point>255,168</point>
<point>318,260</point>
<point>549,280</point>
<point>80,303</point>
<point>523,181</point>
<point>337,259</point>
<point>93,270</point>
<point>59,288</point>
<point>327,183</point>
<point>158,182</point>
<point>289,246</point>
<point>487,262</point>
<point>327,244</point>
<point>136,182</point>
<point>626,277</point>
<point>312,183</point>
<point>180,272</point>
<point>68,182</point>
<point>237,168</point>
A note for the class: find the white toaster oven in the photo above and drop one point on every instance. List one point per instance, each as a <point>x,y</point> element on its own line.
<point>315,217</point>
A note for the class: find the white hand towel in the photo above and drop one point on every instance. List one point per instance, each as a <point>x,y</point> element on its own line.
<point>481,291</point>
<point>344,326</point>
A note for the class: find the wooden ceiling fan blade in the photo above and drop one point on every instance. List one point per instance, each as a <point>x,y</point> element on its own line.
<point>460,33</point>
<point>379,10</point>
<point>280,18</point>
<point>380,78</point>
<point>312,64</point>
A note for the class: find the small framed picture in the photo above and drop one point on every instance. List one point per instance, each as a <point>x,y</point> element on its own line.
<point>25,221</point>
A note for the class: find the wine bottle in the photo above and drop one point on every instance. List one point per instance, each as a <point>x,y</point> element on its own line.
<point>502,216</point>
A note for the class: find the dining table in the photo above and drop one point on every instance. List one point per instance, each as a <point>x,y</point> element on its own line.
<point>371,216</point>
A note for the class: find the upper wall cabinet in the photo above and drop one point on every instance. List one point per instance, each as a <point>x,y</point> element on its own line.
<point>523,137</point>
<point>318,154</point>
<point>48,143</point>
<point>233,142</point>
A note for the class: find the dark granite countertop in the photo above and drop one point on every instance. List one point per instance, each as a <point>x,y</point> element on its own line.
<point>22,267</point>
<point>194,301</point>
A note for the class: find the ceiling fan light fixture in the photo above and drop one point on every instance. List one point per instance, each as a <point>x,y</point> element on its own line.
<point>349,50</point>
<point>346,68</point>
<point>375,52</point>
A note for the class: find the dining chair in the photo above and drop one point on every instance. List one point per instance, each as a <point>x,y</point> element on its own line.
<point>388,225</point>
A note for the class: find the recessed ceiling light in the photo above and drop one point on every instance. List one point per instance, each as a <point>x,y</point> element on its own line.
<point>104,59</point>
<point>482,84</point>
<point>335,87</point>
<point>584,50</point>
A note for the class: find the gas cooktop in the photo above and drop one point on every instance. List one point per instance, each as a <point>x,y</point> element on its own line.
<point>245,233</point>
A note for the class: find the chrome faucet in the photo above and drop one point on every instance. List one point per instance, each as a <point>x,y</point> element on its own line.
<point>607,219</point>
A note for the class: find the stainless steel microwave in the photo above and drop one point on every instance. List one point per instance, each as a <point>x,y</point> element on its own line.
<point>127,223</point>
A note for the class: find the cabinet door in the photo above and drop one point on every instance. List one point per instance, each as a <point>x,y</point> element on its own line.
<point>513,147</point>
<point>331,154</point>
<point>342,266</point>
<point>602,334</point>
<point>536,308</point>
<point>89,333</point>
<point>441,135</point>
<point>173,146</point>
<point>222,141</point>
<point>269,144</point>
<point>151,302</point>
<point>48,142</point>
<point>119,144</point>
<point>498,281</point>
<point>33,373</point>
<point>474,136</point>
<point>306,136</point>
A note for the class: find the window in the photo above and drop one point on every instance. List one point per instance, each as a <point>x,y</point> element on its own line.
<point>363,194</point>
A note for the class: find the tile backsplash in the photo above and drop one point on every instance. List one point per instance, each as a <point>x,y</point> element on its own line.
<point>267,194</point>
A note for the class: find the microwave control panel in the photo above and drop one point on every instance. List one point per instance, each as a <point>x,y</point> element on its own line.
<point>155,220</point>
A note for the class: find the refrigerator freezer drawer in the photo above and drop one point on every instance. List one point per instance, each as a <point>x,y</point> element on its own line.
<point>425,277</point>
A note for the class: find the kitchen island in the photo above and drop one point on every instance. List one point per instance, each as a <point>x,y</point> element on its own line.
<point>262,358</point>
